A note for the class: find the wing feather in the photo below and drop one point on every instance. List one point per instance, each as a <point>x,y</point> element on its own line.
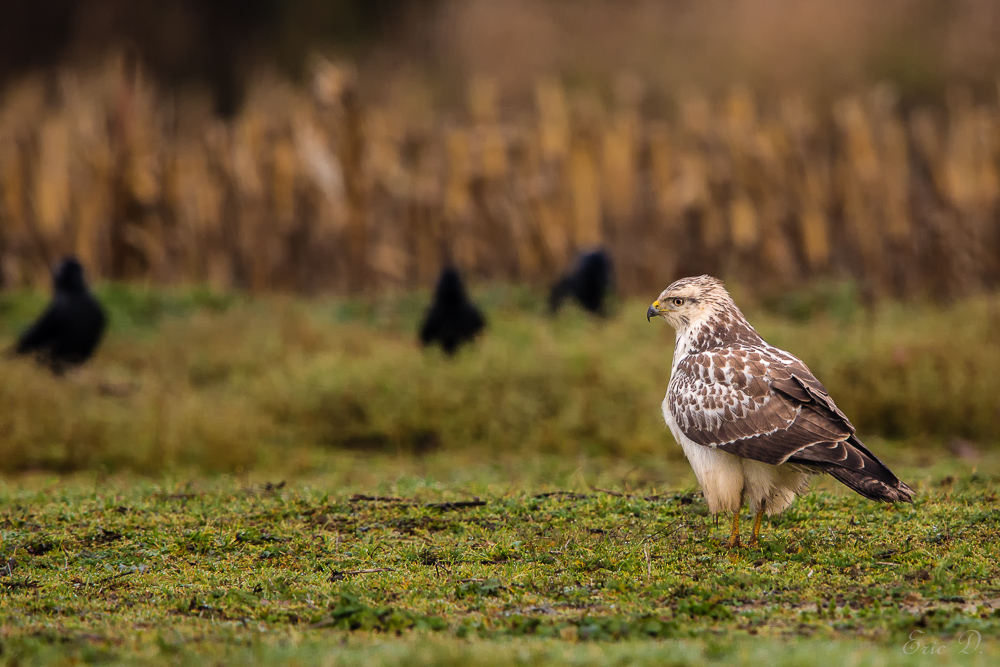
<point>766,405</point>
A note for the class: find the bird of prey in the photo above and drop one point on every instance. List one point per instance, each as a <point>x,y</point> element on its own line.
<point>588,283</point>
<point>452,319</point>
<point>753,421</point>
<point>69,330</point>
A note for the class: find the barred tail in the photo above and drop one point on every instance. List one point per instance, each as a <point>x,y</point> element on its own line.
<point>872,488</point>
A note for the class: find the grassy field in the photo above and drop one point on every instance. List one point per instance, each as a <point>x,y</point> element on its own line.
<point>287,481</point>
<point>191,379</point>
<point>444,564</point>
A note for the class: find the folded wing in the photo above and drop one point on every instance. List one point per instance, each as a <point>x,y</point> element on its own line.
<point>766,405</point>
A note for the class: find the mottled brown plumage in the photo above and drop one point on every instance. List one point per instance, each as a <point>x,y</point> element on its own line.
<point>732,393</point>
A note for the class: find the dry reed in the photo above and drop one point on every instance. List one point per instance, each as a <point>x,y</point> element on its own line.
<point>320,190</point>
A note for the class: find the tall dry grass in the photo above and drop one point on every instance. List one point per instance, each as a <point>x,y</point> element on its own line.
<point>320,189</point>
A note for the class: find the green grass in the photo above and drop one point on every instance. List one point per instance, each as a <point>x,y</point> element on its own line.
<point>522,503</point>
<point>135,569</point>
<point>188,378</point>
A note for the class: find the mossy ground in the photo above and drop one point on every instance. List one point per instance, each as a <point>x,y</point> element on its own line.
<point>542,515</point>
<point>123,568</point>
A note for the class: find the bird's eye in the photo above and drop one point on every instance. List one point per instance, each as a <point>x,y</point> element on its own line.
<point>678,301</point>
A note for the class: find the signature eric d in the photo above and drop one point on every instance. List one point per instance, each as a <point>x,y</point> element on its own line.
<point>968,640</point>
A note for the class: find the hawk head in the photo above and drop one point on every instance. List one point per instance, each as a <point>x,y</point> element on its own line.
<point>690,302</point>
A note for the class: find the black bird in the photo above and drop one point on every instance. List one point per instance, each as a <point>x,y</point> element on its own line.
<point>69,330</point>
<point>452,319</point>
<point>588,283</point>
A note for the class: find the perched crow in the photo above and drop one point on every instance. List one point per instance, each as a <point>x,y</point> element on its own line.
<point>69,330</point>
<point>588,283</point>
<point>452,319</point>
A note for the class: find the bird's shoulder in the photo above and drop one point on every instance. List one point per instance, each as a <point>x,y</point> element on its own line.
<point>730,393</point>
<point>755,370</point>
<point>747,367</point>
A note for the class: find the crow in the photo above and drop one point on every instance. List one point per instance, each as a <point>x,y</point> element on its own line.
<point>69,330</point>
<point>588,283</point>
<point>452,319</point>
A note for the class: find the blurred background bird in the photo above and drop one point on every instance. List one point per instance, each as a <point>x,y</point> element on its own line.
<point>589,284</point>
<point>452,319</point>
<point>70,329</point>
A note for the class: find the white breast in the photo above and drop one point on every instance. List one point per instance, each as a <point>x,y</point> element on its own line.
<point>719,473</point>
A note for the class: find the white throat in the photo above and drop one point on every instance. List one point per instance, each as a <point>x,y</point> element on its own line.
<point>682,345</point>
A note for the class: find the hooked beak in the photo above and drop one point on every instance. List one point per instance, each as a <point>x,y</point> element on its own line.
<point>653,311</point>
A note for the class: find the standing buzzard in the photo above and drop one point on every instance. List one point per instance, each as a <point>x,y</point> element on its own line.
<point>753,421</point>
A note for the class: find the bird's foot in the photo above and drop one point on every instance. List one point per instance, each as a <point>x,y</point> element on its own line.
<point>734,542</point>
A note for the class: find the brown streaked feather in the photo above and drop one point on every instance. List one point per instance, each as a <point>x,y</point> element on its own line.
<point>773,409</point>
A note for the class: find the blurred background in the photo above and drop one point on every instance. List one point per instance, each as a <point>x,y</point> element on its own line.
<point>344,145</point>
<point>828,158</point>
